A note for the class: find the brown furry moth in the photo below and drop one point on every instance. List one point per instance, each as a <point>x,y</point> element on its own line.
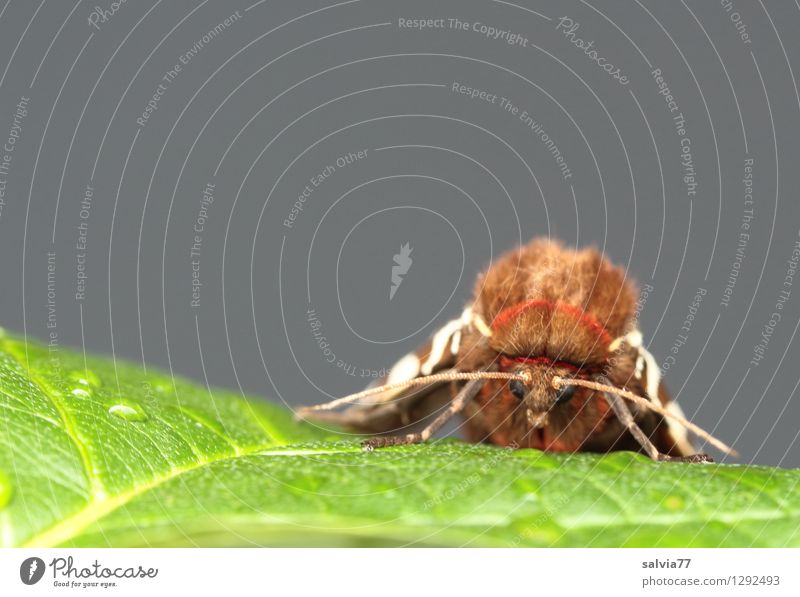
<point>552,359</point>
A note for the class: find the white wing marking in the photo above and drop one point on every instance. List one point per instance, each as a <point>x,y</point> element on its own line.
<point>448,334</point>
<point>404,369</point>
<point>678,431</point>
<point>653,374</point>
<point>634,339</point>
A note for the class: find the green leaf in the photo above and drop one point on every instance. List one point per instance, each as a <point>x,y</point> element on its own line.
<point>100,453</point>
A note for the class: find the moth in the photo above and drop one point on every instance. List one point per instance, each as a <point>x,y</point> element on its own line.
<point>547,355</point>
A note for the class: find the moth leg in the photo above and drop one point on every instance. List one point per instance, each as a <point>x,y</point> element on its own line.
<point>467,393</point>
<point>626,418</point>
<point>694,458</point>
<point>624,415</point>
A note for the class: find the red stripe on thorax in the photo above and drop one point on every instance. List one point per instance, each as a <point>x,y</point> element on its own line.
<point>514,310</point>
<point>508,363</point>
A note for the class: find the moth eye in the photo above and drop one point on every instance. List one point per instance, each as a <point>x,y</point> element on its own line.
<point>565,394</point>
<point>517,388</point>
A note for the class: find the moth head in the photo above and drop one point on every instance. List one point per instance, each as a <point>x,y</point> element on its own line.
<point>535,389</point>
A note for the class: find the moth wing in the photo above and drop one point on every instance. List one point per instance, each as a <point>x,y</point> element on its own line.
<point>670,437</point>
<point>395,409</point>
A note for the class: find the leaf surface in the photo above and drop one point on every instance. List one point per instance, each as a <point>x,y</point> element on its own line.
<point>100,453</point>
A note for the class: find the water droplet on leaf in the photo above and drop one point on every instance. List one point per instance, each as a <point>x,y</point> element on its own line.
<point>80,393</point>
<point>128,411</point>
<point>85,378</point>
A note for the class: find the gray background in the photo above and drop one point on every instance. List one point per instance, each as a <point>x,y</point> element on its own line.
<point>292,85</point>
